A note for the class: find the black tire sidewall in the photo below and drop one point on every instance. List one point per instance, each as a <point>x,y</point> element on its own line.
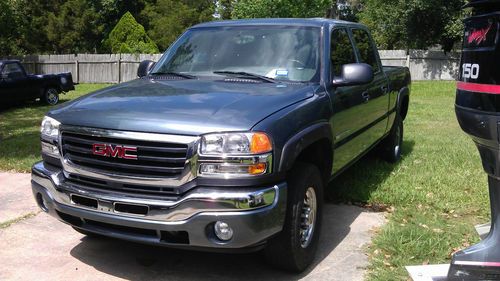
<point>392,140</point>
<point>285,250</point>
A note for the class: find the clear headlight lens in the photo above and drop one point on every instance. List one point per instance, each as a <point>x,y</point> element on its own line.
<point>235,154</point>
<point>235,144</point>
<point>50,132</point>
<point>49,128</point>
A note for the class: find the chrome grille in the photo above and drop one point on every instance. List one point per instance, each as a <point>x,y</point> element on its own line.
<point>154,158</point>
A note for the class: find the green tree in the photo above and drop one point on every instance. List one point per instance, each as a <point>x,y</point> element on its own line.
<point>414,24</point>
<point>74,28</point>
<point>225,8</point>
<point>169,18</point>
<point>8,30</point>
<point>281,8</point>
<point>129,36</point>
<point>32,22</point>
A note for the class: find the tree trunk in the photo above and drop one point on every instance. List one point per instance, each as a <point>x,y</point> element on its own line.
<point>333,11</point>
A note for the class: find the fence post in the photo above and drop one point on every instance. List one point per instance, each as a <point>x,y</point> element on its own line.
<point>77,70</point>
<point>408,60</point>
<point>119,68</point>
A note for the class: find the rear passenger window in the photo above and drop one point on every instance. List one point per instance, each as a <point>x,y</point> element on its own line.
<point>341,51</point>
<point>366,48</point>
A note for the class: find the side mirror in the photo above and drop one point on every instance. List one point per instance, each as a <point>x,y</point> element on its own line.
<point>144,68</point>
<point>354,74</point>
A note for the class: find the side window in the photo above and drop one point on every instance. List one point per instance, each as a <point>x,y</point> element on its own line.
<point>341,51</point>
<point>12,71</point>
<point>366,48</point>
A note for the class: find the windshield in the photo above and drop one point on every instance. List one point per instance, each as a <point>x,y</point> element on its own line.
<point>280,52</point>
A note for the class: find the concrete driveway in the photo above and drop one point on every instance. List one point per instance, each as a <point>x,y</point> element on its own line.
<point>35,246</point>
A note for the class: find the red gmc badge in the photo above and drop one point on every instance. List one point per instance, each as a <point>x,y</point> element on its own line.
<point>116,151</point>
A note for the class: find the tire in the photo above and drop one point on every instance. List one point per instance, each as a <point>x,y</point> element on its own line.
<point>51,96</point>
<point>293,249</point>
<point>391,146</point>
<point>85,232</point>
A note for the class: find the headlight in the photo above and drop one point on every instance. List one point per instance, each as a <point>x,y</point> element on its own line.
<point>49,134</point>
<point>235,144</point>
<point>235,155</point>
<point>49,128</point>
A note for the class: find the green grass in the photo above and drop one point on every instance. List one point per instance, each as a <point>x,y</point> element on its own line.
<point>20,131</point>
<point>435,194</point>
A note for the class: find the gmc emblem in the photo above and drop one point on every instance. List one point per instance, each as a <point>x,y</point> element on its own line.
<point>118,151</point>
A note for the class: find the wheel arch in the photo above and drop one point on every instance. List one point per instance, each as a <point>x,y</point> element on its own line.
<point>403,102</point>
<point>312,145</point>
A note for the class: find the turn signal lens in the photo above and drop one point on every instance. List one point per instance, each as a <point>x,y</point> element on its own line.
<point>260,144</point>
<point>257,169</point>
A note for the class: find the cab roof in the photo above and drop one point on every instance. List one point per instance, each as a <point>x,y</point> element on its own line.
<point>318,22</point>
<point>8,61</point>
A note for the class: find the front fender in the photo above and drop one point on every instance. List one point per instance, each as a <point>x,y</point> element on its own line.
<point>296,144</point>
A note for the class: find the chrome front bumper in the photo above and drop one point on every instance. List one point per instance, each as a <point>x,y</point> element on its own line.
<point>255,214</point>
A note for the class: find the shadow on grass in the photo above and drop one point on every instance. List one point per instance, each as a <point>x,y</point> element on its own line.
<point>357,183</point>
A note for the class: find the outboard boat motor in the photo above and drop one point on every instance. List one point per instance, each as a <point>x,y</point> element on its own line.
<point>477,108</point>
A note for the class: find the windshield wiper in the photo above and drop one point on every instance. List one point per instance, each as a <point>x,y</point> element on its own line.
<point>247,74</point>
<point>183,75</point>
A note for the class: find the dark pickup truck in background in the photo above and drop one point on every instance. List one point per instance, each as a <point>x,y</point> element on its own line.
<point>226,143</point>
<point>16,85</point>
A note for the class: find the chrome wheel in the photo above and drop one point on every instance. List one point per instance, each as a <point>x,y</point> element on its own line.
<point>52,96</point>
<point>308,217</point>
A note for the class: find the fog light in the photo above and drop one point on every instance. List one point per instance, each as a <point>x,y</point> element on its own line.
<point>223,231</point>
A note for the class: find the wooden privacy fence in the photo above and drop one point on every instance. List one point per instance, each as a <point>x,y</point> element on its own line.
<point>88,68</point>
<point>117,68</point>
<point>424,65</point>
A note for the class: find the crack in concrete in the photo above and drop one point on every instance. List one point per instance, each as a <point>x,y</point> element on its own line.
<point>8,223</point>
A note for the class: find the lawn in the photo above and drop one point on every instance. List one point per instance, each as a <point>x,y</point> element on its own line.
<point>20,131</point>
<point>434,195</point>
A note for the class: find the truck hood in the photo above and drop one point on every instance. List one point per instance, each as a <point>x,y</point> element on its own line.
<point>186,107</point>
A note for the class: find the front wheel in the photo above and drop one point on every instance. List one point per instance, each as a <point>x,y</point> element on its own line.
<point>295,247</point>
<point>51,96</point>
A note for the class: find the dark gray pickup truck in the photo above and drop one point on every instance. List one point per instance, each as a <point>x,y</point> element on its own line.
<point>228,141</point>
<point>16,85</point>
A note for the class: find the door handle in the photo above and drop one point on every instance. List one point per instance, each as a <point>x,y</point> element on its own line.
<point>365,96</point>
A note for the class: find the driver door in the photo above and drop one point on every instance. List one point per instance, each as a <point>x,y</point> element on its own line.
<point>349,104</point>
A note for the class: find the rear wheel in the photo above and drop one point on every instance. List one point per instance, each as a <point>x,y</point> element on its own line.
<point>51,96</point>
<point>390,148</point>
<point>295,247</point>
